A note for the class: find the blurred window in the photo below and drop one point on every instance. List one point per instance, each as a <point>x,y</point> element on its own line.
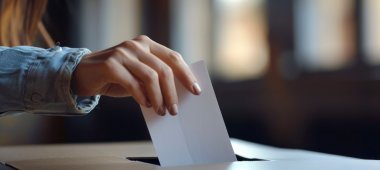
<point>234,44</point>
<point>324,34</point>
<point>371,31</point>
<point>106,23</point>
<point>241,48</point>
<point>191,29</point>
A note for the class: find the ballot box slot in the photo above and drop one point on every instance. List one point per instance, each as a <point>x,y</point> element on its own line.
<point>149,160</point>
<point>155,161</point>
<point>242,158</point>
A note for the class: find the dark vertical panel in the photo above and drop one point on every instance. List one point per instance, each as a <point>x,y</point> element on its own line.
<point>359,35</point>
<point>156,20</point>
<point>280,23</point>
<point>281,41</point>
<point>60,19</point>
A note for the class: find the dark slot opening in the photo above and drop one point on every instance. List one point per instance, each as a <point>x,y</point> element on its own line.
<point>155,161</point>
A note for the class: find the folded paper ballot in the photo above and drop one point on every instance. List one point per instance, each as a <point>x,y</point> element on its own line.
<point>197,135</point>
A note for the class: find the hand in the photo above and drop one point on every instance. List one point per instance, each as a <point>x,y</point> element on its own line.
<point>140,68</point>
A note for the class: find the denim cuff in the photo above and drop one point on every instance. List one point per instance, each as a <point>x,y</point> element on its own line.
<point>47,84</point>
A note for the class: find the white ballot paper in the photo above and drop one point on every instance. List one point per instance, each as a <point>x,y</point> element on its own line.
<point>197,135</point>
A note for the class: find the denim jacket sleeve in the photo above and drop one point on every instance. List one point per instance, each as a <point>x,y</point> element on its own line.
<point>36,80</point>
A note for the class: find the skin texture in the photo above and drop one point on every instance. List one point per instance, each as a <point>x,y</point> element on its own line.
<point>140,68</point>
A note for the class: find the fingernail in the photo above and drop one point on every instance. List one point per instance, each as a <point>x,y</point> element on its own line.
<point>196,89</point>
<point>161,111</point>
<point>173,109</point>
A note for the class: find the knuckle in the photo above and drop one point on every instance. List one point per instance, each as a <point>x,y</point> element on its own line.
<point>131,45</point>
<point>117,55</point>
<point>165,72</point>
<point>142,38</point>
<point>175,56</point>
<point>117,51</point>
<point>151,76</point>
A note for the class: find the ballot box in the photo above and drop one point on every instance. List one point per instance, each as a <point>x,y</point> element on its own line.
<point>96,156</point>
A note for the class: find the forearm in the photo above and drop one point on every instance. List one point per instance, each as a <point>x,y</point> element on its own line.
<point>37,80</point>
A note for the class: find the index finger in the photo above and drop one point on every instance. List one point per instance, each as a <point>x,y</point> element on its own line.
<point>175,61</point>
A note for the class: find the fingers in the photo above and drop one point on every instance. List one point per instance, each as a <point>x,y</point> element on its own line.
<point>147,75</point>
<point>175,61</point>
<point>166,80</point>
<point>117,74</point>
<point>146,70</point>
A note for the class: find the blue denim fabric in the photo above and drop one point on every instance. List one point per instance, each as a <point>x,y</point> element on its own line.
<point>36,80</point>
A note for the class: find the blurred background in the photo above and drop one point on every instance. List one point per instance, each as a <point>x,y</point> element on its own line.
<point>290,73</point>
